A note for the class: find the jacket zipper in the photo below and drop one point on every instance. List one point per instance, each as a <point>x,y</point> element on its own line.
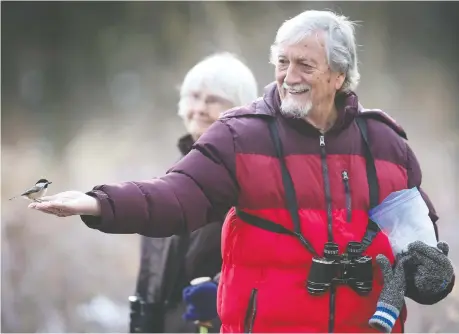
<point>328,201</point>
<point>251,312</point>
<point>347,191</point>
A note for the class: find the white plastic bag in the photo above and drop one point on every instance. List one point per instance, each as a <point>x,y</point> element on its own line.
<point>404,217</point>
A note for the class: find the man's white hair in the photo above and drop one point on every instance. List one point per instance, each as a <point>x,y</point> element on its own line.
<point>339,41</point>
<point>222,74</point>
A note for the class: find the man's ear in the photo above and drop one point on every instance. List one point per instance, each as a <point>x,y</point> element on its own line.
<point>340,81</point>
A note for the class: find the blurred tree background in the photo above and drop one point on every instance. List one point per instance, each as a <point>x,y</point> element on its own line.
<point>89,94</point>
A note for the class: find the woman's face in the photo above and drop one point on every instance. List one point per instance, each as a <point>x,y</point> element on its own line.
<point>200,109</point>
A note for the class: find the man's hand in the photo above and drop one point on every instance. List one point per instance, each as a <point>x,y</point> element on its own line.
<point>434,271</point>
<point>68,203</point>
<point>392,297</point>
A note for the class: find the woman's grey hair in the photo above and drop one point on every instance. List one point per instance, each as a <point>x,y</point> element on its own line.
<point>222,74</point>
<point>339,41</point>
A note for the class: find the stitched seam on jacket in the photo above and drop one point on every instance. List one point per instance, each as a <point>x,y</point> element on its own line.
<point>233,176</point>
<point>197,184</point>
<point>150,203</point>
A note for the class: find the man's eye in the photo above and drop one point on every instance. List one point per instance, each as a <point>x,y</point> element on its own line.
<point>282,61</point>
<point>308,68</point>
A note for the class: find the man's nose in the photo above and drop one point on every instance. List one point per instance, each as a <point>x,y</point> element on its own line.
<point>293,76</point>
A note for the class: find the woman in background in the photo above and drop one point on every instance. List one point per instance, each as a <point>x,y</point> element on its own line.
<point>214,85</point>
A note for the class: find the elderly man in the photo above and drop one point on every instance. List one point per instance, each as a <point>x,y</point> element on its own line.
<point>215,84</point>
<point>299,170</point>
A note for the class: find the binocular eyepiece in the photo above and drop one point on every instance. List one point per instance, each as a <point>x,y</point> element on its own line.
<point>351,268</point>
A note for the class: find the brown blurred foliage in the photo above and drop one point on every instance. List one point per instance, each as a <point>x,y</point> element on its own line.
<point>89,96</point>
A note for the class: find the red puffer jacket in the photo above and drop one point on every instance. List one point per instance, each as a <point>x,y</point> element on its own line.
<point>264,275</point>
<point>234,164</point>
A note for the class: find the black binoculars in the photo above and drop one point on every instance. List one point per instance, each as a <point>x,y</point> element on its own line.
<point>350,268</point>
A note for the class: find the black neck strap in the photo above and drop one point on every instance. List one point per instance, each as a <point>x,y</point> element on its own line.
<point>291,199</point>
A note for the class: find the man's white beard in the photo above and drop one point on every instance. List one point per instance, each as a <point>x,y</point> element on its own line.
<point>291,107</point>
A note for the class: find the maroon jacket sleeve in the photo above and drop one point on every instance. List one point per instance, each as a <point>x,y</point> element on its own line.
<point>199,189</point>
<point>414,180</point>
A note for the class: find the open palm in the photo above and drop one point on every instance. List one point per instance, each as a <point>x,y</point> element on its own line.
<point>68,203</point>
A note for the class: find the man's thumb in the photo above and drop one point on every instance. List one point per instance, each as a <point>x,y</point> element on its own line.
<point>385,266</point>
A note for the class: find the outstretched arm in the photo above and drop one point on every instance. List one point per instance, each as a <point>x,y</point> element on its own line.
<point>198,190</point>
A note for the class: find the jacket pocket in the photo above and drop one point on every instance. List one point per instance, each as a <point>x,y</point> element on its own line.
<point>251,312</point>
<point>347,192</point>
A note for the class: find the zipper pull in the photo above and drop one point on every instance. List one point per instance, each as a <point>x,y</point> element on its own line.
<point>322,141</point>
<point>345,175</point>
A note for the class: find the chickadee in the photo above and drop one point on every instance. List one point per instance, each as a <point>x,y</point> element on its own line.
<point>37,191</point>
